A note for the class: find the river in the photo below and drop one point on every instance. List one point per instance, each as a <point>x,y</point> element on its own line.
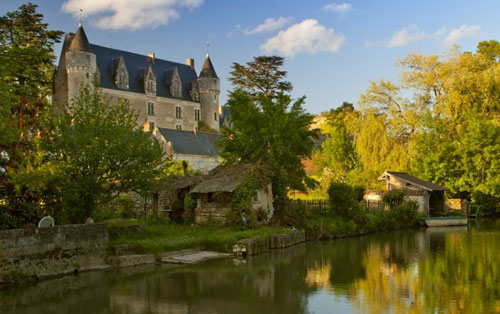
<point>434,270</point>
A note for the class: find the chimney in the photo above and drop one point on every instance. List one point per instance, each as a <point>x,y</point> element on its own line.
<point>190,63</point>
<point>170,151</point>
<point>151,56</point>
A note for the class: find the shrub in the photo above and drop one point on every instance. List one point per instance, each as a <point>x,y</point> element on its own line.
<point>489,203</point>
<point>406,213</point>
<point>394,198</point>
<point>343,200</point>
<point>360,192</point>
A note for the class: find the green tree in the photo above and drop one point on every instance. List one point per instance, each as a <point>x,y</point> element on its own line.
<point>490,49</point>
<point>272,130</point>
<point>262,75</point>
<point>26,67</point>
<point>103,152</point>
<point>336,157</point>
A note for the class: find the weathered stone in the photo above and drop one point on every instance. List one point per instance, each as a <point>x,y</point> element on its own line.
<point>89,221</point>
<point>52,251</point>
<point>123,249</point>
<point>191,257</point>
<point>133,260</point>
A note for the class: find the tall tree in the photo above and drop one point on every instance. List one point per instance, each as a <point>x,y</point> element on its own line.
<point>262,75</point>
<point>26,69</point>
<point>103,151</point>
<point>272,130</point>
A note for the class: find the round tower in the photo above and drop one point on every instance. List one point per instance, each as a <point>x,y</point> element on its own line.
<point>81,65</point>
<point>209,88</point>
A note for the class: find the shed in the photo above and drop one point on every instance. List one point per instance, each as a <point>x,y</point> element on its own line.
<point>429,196</point>
<point>214,193</point>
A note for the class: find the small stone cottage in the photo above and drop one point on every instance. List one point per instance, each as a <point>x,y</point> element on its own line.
<point>214,193</point>
<point>430,196</point>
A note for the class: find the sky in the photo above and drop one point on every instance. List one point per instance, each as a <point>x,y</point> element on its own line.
<point>332,49</point>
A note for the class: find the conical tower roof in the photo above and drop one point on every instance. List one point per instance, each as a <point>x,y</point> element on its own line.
<point>80,41</point>
<point>208,69</point>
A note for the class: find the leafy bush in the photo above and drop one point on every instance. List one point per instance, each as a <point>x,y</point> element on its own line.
<point>406,213</point>
<point>242,201</point>
<point>343,200</point>
<point>489,203</point>
<point>394,198</point>
<point>360,192</point>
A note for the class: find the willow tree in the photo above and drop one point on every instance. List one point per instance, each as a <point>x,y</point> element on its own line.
<point>430,120</point>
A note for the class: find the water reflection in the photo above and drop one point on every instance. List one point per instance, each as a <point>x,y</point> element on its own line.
<point>452,270</point>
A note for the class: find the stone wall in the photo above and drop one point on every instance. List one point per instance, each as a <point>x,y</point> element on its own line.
<point>203,163</point>
<point>42,252</point>
<point>214,212</point>
<point>247,247</point>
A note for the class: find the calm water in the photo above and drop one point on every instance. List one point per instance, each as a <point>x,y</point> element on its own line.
<point>445,270</point>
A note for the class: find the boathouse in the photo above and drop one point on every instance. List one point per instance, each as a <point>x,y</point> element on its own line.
<point>430,196</point>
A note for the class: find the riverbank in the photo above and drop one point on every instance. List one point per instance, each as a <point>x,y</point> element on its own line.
<point>160,236</point>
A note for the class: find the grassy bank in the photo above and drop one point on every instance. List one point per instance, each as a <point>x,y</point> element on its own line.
<point>163,236</point>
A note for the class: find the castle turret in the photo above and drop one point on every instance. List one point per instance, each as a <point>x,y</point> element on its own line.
<point>209,88</point>
<point>80,63</point>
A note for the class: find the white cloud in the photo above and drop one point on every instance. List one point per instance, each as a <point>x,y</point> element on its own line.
<point>269,24</point>
<point>464,31</point>
<point>307,36</point>
<point>405,36</point>
<point>338,7</point>
<point>129,14</point>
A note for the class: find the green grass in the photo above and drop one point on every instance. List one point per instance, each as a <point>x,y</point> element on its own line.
<point>163,236</point>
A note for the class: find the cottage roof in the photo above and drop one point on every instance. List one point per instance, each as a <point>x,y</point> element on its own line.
<point>135,63</point>
<point>207,70</point>
<point>223,178</point>
<point>80,41</point>
<point>403,176</point>
<point>188,142</point>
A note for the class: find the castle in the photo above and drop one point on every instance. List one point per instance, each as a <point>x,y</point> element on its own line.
<point>170,98</point>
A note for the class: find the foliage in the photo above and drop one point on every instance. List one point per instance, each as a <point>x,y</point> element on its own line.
<point>337,157</point>
<point>242,201</point>
<point>189,206</point>
<point>490,205</point>
<point>103,152</point>
<point>270,131</point>
<point>394,198</point>
<point>343,199</point>
<point>26,69</point>
<point>262,75</point>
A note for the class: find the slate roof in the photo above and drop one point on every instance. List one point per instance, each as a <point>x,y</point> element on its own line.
<point>80,41</point>
<point>207,70</point>
<point>403,176</point>
<point>136,64</point>
<point>187,142</point>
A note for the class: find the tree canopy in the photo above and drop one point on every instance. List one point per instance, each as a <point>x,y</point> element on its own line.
<point>274,131</point>
<point>26,69</point>
<point>103,152</point>
<point>262,75</point>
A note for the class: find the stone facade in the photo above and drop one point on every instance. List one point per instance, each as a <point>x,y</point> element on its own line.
<point>42,252</point>
<point>157,91</point>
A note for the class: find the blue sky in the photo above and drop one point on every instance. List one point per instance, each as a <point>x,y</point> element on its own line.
<point>332,49</point>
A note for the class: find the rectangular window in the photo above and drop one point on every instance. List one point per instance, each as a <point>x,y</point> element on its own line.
<point>215,116</point>
<point>151,126</point>
<point>151,109</point>
<point>178,127</point>
<point>197,115</point>
<point>178,112</point>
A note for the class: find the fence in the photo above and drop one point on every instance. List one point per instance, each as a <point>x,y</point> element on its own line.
<point>372,205</point>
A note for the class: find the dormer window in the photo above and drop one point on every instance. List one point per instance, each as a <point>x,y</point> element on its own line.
<point>121,73</point>
<point>150,87</point>
<point>149,81</point>
<point>174,82</point>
